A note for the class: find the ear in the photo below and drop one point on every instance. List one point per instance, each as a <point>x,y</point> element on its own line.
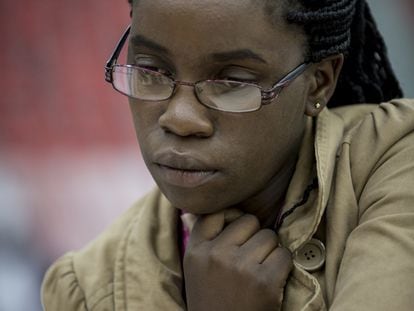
<point>323,79</point>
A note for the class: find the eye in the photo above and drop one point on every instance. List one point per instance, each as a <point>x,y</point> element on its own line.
<point>153,64</point>
<point>156,69</point>
<point>238,75</point>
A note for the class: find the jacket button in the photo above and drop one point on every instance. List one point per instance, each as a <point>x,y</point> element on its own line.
<point>311,256</point>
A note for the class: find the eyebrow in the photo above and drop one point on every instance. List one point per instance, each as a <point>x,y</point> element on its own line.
<point>139,40</point>
<point>242,54</point>
<point>238,55</point>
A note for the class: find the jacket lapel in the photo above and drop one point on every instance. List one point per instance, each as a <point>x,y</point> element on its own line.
<point>148,274</point>
<point>317,158</point>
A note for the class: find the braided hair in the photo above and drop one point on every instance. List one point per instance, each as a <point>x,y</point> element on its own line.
<point>346,26</point>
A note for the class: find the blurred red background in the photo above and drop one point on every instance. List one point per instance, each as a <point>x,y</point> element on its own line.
<point>62,127</point>
<point>69,160</point>
<point>52,74</point>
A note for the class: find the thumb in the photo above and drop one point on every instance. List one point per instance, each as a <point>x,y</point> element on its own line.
<point>208,227</point>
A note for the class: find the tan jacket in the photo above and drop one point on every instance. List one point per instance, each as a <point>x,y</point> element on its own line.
<point>353,238</point>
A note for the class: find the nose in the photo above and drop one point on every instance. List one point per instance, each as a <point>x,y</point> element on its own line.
<point>185,116</point>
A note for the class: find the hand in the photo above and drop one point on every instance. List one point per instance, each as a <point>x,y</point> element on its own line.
<point>236,266</point>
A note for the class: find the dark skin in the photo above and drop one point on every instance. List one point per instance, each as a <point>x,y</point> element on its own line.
<point>231,169</point>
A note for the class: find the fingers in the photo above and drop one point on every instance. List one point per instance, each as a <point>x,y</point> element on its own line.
<point>259,246</point>
<point>233,228</point>
<point>239,231</point>
<point>210,226</point>
<point>279,263</point>
<point>231,215</point>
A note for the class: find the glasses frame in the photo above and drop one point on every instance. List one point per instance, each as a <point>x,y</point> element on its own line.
<point>267,95</point>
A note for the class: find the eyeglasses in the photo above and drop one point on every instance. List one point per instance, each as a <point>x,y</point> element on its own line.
<point>224,95</point>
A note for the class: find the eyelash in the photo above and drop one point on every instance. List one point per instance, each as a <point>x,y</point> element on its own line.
<point>156,69</point>
<point>220,76</point>
<point>240,80</point>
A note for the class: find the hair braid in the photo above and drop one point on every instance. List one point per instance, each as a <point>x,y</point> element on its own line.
<point>347,26</point>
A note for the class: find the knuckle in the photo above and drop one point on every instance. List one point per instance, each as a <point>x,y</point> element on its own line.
<point>217,256</point>
<point>241,264</point>
<point>283,258</point>
<point>190,256</point>
<point>270,235</point>
<point>252,221</point>
<point>268,232</point>
<point>266,283</point>
<point>286,256</point>
<point>269,282</point>
<point>195,254</point>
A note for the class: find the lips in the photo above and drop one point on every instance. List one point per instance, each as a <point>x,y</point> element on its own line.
<point>184,169</point>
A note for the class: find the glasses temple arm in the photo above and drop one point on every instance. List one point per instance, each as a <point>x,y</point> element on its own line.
<point>114,57</point>
<point>270,94</point>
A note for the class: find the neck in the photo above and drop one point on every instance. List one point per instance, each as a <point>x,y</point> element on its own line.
<point>266,204</point>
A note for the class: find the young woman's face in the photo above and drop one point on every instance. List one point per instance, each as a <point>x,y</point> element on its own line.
<point>205,160</point>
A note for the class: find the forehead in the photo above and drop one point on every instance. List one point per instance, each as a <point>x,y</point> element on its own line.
<point>218,8</point>
<point>212,25</point>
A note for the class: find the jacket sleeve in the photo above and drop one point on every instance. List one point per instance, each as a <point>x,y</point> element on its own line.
<point>60,288</point>
<point>377,269</point>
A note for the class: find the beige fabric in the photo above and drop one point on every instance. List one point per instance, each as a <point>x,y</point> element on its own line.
<point>363,211</point>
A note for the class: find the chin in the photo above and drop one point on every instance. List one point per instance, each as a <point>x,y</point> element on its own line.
<point>193,201</point>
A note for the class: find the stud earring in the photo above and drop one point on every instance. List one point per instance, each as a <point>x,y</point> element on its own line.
<point>317,105</point>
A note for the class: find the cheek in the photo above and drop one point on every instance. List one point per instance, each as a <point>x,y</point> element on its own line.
<point>260,148</point>
<point>271,131</point>
<point>261,151</point>
<point>145,116</point>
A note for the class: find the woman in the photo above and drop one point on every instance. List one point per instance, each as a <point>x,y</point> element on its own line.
<point>297,206</point>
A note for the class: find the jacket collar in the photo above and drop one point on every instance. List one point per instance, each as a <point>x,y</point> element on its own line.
<point>148,274</point>
<point>316,159</point>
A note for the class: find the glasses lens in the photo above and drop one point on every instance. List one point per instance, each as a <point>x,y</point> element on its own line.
<point>229,96</point>
<point>141,83</point>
